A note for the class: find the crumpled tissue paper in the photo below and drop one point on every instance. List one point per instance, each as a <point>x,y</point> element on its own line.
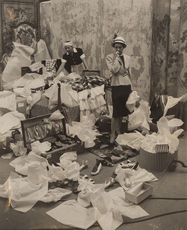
<point>133,140</point>
<point>134,176</point>
<point>21,164</point>
<point>55,195</point>
<point>71,213</point>
<point>40,147</point>
<point>22,193</point>
<point>57,115</point>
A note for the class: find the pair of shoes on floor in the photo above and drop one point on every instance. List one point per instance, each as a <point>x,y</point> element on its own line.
<point>98,166</point>
<point>129,164</point>
<point>107,161</point>
<point>117,159</point>
<point>83,165</point>
<point>117,151</point>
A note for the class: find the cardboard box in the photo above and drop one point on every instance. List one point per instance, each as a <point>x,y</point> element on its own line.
<point>155,161</point>
<point>139,193</point>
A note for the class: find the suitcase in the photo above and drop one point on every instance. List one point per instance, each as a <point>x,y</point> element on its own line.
<point>32,125</point>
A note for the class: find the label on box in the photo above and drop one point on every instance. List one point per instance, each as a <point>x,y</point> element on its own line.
<point>21,104</point>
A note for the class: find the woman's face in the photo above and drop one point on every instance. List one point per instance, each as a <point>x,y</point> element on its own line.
<point>119,48</point>
<point>69,49</point>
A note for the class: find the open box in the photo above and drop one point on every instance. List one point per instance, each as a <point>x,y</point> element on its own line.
<point>41,128</point>
<point>139,193</point>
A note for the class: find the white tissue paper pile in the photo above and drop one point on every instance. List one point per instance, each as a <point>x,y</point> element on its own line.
<point>134,177</point>
<point>24,192</point>
<point>84,131</point>
<point>131,101</point>
<point>140,118</point>
<point>9,121</point>
<point>164,136</point>
<point>133,140</point>
<point>108,209</point>
<point>8,100</point>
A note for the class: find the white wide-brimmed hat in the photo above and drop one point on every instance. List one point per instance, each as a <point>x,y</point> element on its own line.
<point>120,40</point>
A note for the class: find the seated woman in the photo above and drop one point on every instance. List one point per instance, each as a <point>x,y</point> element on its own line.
<point>72,59</point>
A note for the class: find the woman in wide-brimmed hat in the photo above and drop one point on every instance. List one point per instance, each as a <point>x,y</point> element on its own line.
<point>118,64</point>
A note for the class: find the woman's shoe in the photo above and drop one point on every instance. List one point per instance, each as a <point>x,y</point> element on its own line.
<point>97,167</point>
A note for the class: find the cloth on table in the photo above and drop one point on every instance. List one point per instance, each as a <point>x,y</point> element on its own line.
<point>87,82</point>
<point>67,98</point>
<point>92,101</point>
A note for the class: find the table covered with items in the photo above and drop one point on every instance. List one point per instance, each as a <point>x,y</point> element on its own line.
<point>37,94</point>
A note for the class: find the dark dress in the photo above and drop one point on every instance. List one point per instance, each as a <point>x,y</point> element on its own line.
<point>72,59</point>
<point>120,96</point>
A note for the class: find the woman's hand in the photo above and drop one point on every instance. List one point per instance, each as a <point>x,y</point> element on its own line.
<point>117,53</point>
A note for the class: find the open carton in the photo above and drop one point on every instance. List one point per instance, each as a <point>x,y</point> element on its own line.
<point>139,193</point>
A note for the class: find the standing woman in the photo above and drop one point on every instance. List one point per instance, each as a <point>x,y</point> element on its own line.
<point>118,64</point>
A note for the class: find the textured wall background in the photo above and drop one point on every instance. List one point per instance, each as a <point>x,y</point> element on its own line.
<point>91,25</point>
<point>46,24</point>
<point>169,47</point>
<point>160,46</point>
<point>173,52</point>
<point>182,63</point>
<point>182,83</point>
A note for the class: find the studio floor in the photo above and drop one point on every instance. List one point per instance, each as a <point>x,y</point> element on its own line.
<point>169,185</point>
